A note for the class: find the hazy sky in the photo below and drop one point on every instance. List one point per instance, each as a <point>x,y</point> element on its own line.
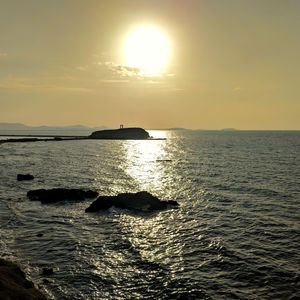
<point>233,63</point>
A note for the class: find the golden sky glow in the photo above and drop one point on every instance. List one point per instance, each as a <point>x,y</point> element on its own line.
<point>206,64</point>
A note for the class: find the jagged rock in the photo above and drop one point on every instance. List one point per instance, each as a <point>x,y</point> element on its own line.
<point>143,201</point>
<point>14,285</point>
<point>21,177</point>
<point>60,194</point>
<point>134,133</point>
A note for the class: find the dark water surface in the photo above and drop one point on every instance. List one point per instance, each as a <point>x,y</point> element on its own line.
<point>236,234</point>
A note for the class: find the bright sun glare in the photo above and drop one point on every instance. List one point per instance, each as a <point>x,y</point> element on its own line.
<point>147,48</point>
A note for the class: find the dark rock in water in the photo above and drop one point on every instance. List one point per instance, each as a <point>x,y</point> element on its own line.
<point>47,271</point>
<point>143,201</point>
<point>39,235</point>
<point>91,194</point>
<point>21,177</point>
<point>59,194</point>
<point>121,134</point>
<point>14,285</point>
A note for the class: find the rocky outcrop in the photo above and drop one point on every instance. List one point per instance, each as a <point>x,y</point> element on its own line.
<point>121,134</point>
<point>142,201</point>
<point>59,194</point>
<point>21,177</point>
<point>14,285</point>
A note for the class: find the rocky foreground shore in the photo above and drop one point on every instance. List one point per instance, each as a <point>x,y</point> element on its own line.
<point>14,285</point>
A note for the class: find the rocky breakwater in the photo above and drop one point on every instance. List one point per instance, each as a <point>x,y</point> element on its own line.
<point>14,285</point>
<point>133,133</point>
<point>141,201</point>
<point>60,194</point>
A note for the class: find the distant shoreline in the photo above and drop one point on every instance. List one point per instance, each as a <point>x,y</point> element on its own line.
<point>45,135</point>
<point>56,138</point>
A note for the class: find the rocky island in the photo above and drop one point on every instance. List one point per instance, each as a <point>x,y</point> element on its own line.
<point>133,133</point>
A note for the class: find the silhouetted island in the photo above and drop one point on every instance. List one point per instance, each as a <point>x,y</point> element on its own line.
<point>134,133</point>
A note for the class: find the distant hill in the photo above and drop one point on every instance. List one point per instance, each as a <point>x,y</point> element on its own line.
<point>19,127</point>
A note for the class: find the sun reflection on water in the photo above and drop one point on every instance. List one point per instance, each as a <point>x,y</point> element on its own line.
<point>149,164</point>
<point>143,161</point>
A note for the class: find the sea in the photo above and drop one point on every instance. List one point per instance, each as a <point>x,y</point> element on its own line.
<point>235,235</point>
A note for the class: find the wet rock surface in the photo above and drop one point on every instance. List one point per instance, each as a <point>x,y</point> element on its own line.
<point>60,194</point>
<point>14,285</point>
<point>142,201</point>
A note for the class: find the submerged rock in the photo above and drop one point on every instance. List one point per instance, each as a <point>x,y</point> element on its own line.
<point>133,133</point>
<point>21,177</point>
<point>143,201</point>
<point>14,285</point>
<point>60,194</point>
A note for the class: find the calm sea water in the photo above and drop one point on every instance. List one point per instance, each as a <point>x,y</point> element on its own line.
<point>236,234</point>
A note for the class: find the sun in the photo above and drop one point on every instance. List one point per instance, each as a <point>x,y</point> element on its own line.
<point>147,48</point>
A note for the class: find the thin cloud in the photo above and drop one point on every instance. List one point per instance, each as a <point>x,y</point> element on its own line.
<point>34,84</point>
<point>120,70</point>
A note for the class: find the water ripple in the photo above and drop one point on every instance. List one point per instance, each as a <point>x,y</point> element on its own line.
<point>235,236</point>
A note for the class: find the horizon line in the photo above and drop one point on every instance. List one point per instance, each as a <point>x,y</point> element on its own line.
<point>175,128</point>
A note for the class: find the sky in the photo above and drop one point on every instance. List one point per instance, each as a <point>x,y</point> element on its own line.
<point>231,64</point>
